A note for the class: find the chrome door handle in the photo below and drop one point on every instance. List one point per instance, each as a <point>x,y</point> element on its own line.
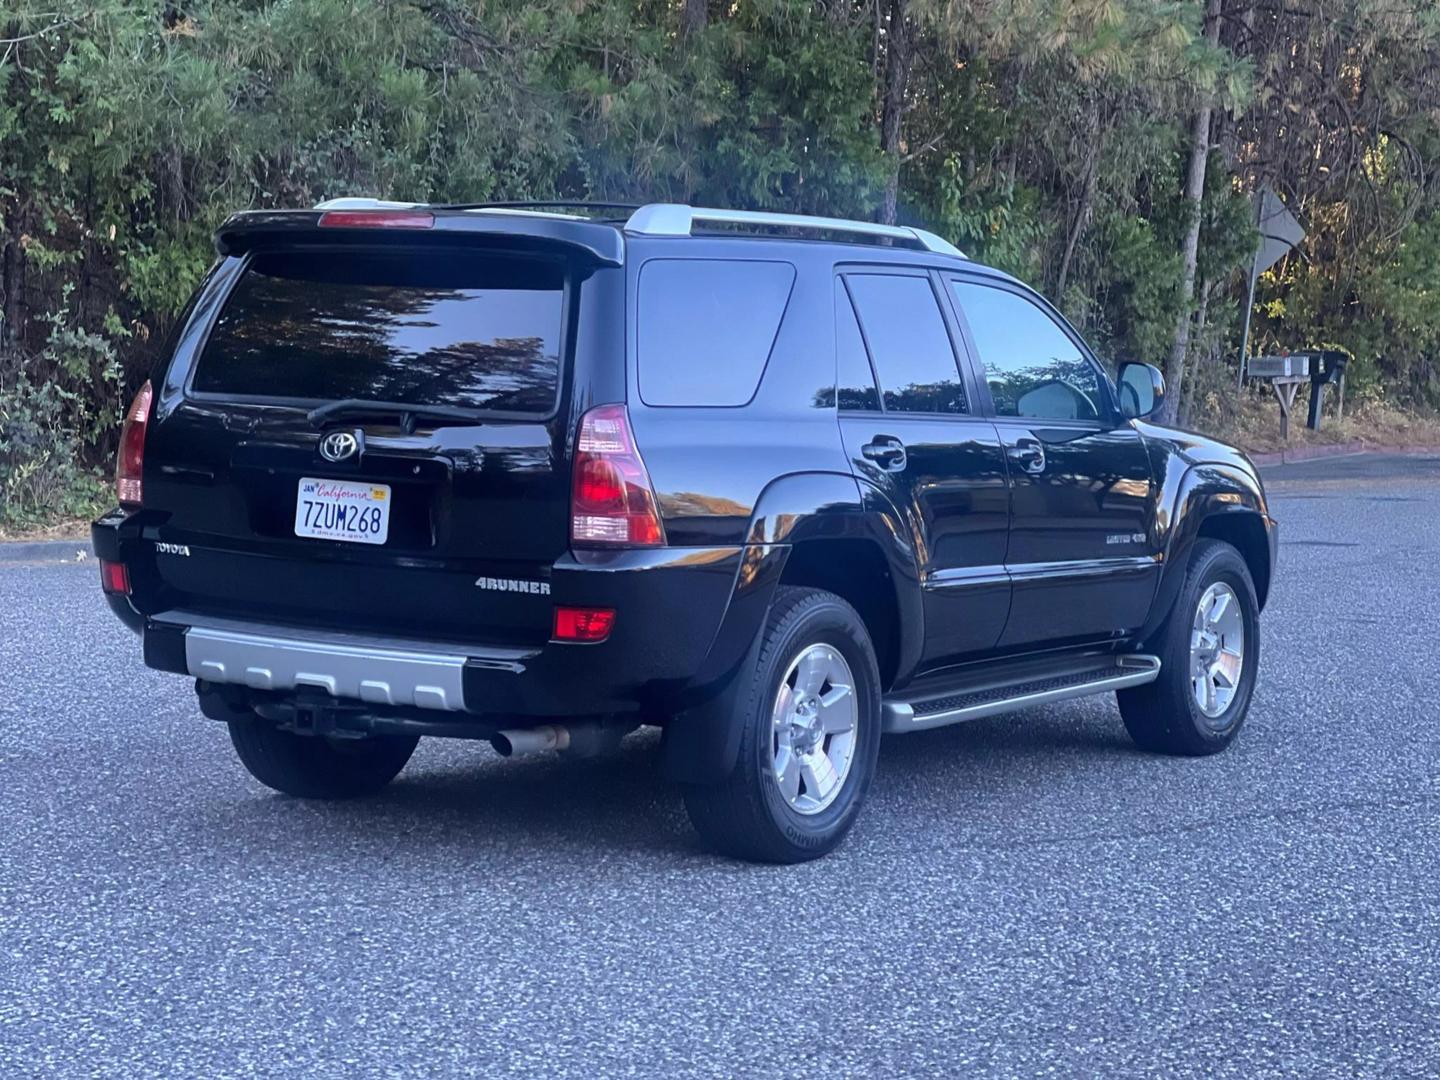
<point>886,451</point>
<point>1029,454</point>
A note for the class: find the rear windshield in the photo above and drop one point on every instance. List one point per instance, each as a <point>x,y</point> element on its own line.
<point>423,329</point>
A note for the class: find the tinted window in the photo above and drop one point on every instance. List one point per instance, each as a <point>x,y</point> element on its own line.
<point>855,381</point>
<point>424,330</point>
<point>908,343</point>
<point>1031,365</point>
<point>707,328</point>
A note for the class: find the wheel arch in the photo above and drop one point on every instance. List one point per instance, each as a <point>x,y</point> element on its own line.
<point>824,530</point>
<point>862,552</point>
<point>1221,502</point>
<point>1245,531</point>
<point>856,571</point>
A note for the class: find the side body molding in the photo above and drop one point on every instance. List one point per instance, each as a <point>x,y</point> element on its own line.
<point>702,740</point>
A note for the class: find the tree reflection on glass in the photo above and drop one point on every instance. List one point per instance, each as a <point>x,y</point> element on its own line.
<point>441,329</point>
<point>1059,389</point>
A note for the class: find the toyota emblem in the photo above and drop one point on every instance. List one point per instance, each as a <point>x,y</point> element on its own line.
<point>338,445</point>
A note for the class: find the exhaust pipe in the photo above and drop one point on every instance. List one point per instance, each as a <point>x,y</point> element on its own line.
<point>530,740</point>
<point>587,738</point>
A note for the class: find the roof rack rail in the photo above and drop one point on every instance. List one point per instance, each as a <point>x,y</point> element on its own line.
<point>677,219</point>
<point>540,204</point>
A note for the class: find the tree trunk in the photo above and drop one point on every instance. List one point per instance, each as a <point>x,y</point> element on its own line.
<point>1187,406</point>
<point>897,73</point>
<point>1081,220</point>
<point>12,280</point>
<point>1194,194</point>
<point>694,16</point>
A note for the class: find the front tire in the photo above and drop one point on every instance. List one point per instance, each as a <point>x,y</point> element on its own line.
<point>316,767</point>
<point>809,738</point>
<point>1209,648</point>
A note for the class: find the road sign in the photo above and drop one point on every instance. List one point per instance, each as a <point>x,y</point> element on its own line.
<point>1280,233</point>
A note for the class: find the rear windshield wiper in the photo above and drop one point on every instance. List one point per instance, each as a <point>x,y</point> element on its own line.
<point>408,415</point>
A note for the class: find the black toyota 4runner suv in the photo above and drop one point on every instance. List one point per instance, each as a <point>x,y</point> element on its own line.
<point>776,485</point>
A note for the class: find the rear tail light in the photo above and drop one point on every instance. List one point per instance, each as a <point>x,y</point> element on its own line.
<point>612,503</point>
<point>130,462</point>
<point>580,624</point>
<point>114,578</point>
<point>376,219</point>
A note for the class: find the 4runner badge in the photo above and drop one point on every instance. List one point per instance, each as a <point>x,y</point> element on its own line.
<point>500,584</point>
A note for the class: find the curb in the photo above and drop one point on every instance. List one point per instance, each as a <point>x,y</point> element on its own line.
<point>1316,453</point>
<point>76,549</point>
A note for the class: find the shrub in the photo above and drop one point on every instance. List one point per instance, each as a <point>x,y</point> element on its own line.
<point>43,471</point>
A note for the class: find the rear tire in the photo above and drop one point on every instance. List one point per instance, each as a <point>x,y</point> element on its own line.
<point>801,773</point>
<point>315,767</point>
<point>1177,713</point>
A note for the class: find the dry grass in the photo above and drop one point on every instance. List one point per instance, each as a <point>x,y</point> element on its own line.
<point>77,529</point>
<point>1255,426</point>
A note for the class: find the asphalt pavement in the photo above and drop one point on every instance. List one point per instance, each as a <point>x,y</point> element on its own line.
<point>1023,896</point>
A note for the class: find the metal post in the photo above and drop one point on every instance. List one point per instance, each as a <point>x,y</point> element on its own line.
<point>1245,337</point>
<point>1250,299</point>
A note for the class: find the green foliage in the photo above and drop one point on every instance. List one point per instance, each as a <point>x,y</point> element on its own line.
<point>1047,137</point>
<point>43,474</point>
<point>770,108</point>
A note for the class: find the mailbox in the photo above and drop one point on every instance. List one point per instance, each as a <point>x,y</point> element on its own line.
<point>1278,367</point>
<point>1286,374</point>
<point>1326,366</point>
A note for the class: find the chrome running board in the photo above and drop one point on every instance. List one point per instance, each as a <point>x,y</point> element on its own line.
<point>958,704</point>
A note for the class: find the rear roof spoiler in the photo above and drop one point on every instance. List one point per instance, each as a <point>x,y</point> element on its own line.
<point>565,234</point>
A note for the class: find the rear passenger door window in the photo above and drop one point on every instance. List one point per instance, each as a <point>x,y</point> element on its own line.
<point>1032,367</point>
<point>854,378</point>
<point>908,342</point>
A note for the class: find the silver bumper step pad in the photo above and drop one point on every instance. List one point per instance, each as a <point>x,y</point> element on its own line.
<point>373,672</point>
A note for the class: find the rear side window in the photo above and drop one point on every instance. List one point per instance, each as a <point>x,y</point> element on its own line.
<point>421,329</point>
<point>706,328</point>
<point>909,343</point>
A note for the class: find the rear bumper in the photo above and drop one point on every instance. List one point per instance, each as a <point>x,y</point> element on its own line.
<point>386,673</point>
<point>681,628</point>
<point>116,538</point>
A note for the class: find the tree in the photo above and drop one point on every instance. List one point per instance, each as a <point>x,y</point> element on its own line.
<point>892,103</point>
<point>1105,151</point>
<point>1199,152</point>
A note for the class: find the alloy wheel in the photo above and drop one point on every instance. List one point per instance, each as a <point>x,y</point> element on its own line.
<point>814,729</point>
<point>1217,651</point>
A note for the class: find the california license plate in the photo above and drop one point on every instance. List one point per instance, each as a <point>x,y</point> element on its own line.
<point>343,510</point>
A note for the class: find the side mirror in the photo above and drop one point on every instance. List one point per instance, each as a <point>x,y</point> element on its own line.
<point>1142,389</point>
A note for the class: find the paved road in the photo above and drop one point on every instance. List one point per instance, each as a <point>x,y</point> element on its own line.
<point>1025,895</point>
